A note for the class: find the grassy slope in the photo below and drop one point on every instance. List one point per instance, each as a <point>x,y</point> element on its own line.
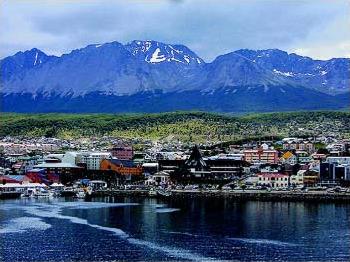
<point>185,126</point>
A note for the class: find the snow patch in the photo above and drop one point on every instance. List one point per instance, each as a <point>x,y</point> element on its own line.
<point>186,57</point>
<point>283,73</point>
<point>36,58</point>
<point>176,60</point>
<point>156,58</point>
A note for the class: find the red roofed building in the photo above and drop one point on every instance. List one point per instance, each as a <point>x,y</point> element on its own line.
<point>6,179</point>
<point>273,179</point>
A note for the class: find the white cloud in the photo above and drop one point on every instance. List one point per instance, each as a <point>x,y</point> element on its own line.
<point>208,27</point>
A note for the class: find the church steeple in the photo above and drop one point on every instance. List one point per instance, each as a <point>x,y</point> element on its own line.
<point>196,161</point>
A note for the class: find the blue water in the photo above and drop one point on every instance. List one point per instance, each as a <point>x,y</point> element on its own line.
<point>181,229</point>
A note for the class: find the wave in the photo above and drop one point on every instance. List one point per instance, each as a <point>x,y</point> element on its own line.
<point>166,210</point>
<point>23,224</point>
<point>52,211</point>
<point>173,252</point>
<point>261,241</point>
<point>158,205</point>
<point>181,233</point>
<point>91,205</point>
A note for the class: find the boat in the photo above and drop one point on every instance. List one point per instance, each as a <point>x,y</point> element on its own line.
<point>164,193</point>
<point>9,194</point>
<point>42,193</point>
<point>10,190</point>
<point>68,192</point>
<point>80,193</point>
<point>28,193</point>
<point>152,192</point>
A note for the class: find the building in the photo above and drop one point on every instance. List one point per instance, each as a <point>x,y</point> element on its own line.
<point>299,144</point>
<point>335,170</point>
<point>226,169</point>
<point>65,172</point>
<point>126,168</point>
<point>199,169</point>
<point>159,178</point>
<point>122,152</point>
<point>261,156</point>
<point>303,157</point>
<point>92,160</point>
<point>298,179</point>
<point>150,168</point>
<point>273,180</point>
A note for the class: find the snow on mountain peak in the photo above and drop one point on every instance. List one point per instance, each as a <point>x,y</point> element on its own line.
<point>157,52</point>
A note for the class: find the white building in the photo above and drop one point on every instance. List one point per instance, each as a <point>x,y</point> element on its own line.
<point>342,160</point>
<point>93,159</point>
<point>298,179</point>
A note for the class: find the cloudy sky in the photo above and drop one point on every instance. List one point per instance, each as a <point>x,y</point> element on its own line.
<point>316,28</point>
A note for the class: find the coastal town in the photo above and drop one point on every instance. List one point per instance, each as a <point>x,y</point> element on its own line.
<point>49,167</point>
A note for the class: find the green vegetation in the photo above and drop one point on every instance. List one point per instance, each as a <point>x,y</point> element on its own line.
<point>183,126</point>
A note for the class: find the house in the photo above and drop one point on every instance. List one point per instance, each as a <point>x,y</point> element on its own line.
<point>159,178</point>
<point>303,157</point>
<point>298,179</point>
<point>298,144</point>
<point>289,158</point>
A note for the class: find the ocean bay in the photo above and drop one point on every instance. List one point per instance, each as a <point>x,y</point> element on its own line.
<point>114,228</point>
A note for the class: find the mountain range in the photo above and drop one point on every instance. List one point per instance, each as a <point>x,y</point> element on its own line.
<point>150,76</point>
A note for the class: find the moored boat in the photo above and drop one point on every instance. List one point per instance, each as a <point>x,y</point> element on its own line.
<point>164,193</point>
<point>152,192</point>
<point>42,193</point>
<point>9,194</point>
<point>68,192</point>
<point>80,193</point>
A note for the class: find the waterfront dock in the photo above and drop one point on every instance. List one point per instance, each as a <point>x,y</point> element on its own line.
<point>257,195</point>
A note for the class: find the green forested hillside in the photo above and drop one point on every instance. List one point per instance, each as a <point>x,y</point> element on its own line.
<point>184,126</point>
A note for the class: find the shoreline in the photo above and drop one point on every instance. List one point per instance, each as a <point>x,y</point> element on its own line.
<point>240,196</point>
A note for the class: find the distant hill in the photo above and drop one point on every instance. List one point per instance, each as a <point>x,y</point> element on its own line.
<point>150,76</point>
<point>183,126</point>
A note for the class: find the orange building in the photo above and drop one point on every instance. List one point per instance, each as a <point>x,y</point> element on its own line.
<point>123,167</point>
<point>261,155</point>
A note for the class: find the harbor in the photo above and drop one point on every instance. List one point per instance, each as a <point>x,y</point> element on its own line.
<point>175,228</point>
